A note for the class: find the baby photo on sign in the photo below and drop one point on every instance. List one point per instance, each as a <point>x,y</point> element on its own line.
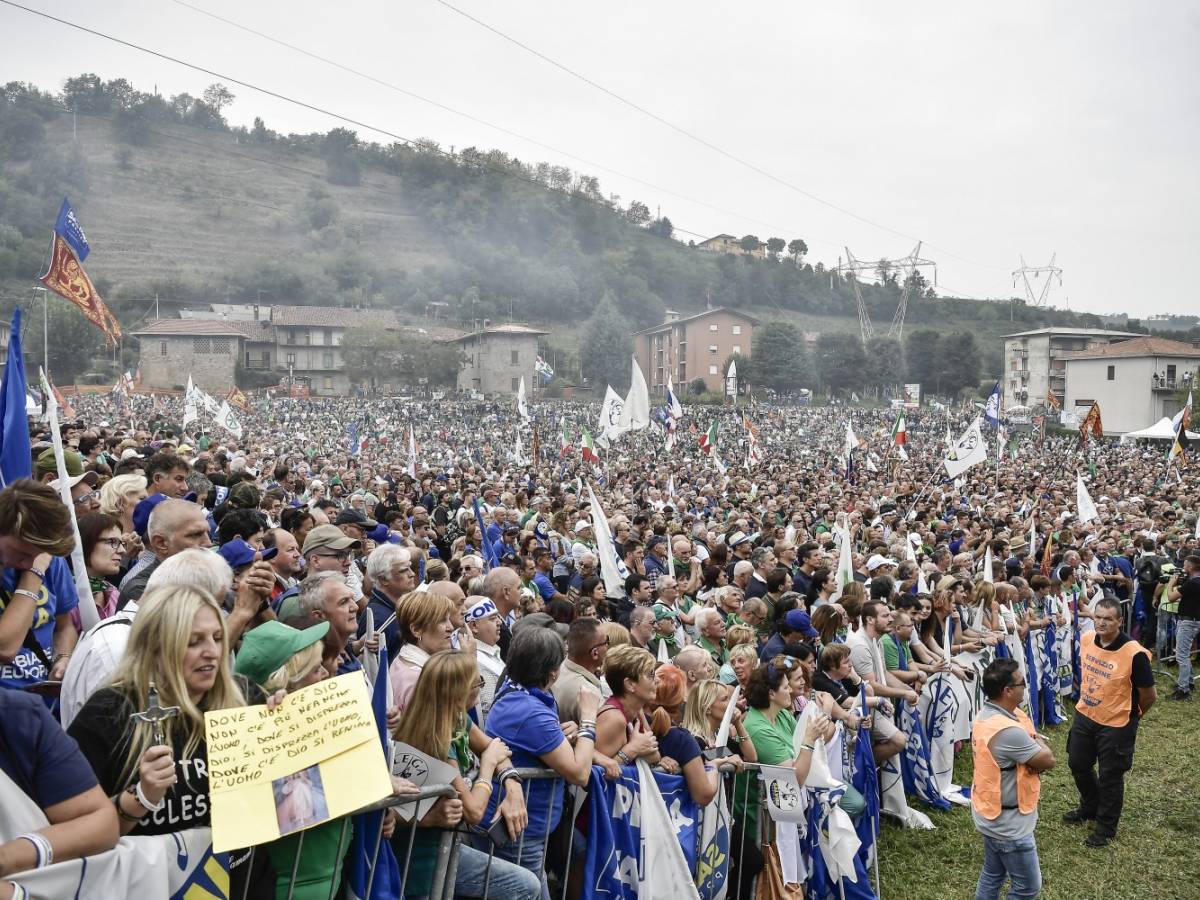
<point>300,800</point>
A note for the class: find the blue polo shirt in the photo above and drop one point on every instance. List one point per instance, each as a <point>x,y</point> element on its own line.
<point>526,719</point>
<point>544,586</point>
<point>37,754</point>
<point>55,597</point>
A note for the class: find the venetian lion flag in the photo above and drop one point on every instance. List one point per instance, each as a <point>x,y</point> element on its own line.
<point>1180,424</point>
<point>1091,425</point>
<point>68,249</point>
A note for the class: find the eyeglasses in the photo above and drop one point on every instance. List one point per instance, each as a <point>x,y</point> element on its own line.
<point>112,543</point>
<point>89,497</point>
<point>340,556</point>
<point>603,643</point>
<point>1016,684</point>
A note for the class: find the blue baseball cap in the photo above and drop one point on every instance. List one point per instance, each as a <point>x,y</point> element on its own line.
<point>238,553</point>
<point>799,620</point>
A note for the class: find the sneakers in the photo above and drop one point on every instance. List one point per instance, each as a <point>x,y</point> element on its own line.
<point>1077,817</point>
<point>1097,840</point>
<point>1181,695</point>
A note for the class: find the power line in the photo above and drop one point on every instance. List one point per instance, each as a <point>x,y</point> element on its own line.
<point>309,106</point>
<point>358,73</point>
<point>697,138</point>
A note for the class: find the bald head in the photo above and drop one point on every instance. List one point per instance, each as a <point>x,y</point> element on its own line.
<point>501,585</point>
<point>176,525</point>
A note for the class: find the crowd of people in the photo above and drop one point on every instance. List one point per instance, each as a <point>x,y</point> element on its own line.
<point>545,610</point>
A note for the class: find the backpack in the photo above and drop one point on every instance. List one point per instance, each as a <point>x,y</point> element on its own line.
<point>1148,569</point>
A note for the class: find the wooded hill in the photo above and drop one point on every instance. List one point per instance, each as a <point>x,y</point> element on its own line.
<point>178,204</point>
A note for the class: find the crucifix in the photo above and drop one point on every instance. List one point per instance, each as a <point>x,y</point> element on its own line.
<point>155,714</point>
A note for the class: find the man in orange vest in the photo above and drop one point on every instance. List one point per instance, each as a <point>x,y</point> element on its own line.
<point>1009,759</point>
<point>1116,690</point>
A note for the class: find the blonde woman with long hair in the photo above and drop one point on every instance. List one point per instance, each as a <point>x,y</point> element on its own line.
<point>178,645</point>
<point>436,724</point>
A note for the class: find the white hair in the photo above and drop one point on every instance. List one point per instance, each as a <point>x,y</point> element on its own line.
<point>742,566</point>
<point>704,616</point>
<point>478,560</point>
<point>385,559</point>
<point>196,568</point>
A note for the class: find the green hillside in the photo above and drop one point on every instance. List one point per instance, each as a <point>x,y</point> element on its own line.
<point>178,204</point>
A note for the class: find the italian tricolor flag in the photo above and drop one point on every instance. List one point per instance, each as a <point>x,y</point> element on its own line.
<point>708,440</point>
<point>565,445</point>
<point>589,447</point>
<point>899,432</point>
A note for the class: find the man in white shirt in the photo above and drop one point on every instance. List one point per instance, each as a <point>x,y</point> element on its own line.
<point>483,619</point>
<point>866,655</point>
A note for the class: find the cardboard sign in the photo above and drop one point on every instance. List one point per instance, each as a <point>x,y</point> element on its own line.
<point>316,757</point>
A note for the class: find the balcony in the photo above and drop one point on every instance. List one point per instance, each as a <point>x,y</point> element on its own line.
<point>1169,385</point>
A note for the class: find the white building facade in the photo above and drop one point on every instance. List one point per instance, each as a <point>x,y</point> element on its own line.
<point>1035,361</point>
<point>1136,382</point>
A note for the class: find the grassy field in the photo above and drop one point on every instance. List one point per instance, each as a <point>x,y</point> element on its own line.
<point>1153,858</point>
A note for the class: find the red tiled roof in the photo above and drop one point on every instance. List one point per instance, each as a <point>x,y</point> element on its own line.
<point>331,316</point>
<point>189,327</point>
<point>1143,346</point>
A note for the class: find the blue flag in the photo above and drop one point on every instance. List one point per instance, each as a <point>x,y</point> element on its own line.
<point>991,409</point>
<point>15,461</point>
<point>866,782</point>
<point>367,826</point>
<point>490,558</point>
<point>67,227</point>
<point>1033,686</point>
<point>614,852</point>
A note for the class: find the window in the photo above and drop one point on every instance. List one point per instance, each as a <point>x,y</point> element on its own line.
<point>266,359</point>
<point>1087,403</point>
<point>712,348</point>
<point>712,370</point>
<point>329,337</point>
<point>1112,373</point>
<point>291,359</point>
<point>162,348</point>
<point>737,329</point>
<point>221,345</point>
<point>327,360</point>
<point>247,359</point>
<point>515,357</point>
<point>328,383</point>
<point>737,348</point>
<point>713,327</point>
<point>291,335</point>
<point>201,345</point>
<point>515,385</point>
<point>1171,374</point>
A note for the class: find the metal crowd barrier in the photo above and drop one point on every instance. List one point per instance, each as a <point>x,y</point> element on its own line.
<point>555,873</point>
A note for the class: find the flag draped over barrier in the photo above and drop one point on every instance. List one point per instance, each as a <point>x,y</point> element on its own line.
<point>627,856</point>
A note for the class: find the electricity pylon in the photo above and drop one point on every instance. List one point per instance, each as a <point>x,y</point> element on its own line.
<point>905,267</point>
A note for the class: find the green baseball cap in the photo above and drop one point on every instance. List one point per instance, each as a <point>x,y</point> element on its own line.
<point>662,611</point>
<point>267,647</point>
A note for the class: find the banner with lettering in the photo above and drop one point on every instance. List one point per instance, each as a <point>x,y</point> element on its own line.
<point>313,758</point>
<point>618,858</point>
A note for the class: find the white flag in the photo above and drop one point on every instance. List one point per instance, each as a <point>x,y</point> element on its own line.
<point>1083,501</point>
<point>635,414</point>
<point>665,874</point>
<point>190,412</point>
<point>731,379</point>
<point>610,567</point>
<point>412,454</point>
<point>610,418</point>
<point>969,450</point>
<point>522,409</point>
<point>987,564</point>
<point>226,419</point>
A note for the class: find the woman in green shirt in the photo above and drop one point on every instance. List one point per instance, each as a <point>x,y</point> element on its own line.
<point>770,725</point>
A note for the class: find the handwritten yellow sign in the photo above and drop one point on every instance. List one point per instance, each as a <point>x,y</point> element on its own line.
<point>317,756</point>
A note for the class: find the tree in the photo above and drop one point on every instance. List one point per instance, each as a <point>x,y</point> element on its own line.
<point>74,341</point>
<point>638,212</point>
<point>696,387</point>
<point>922,353</point>
<point>796,249</point>
<point>780,362</point>
<point>604,357</point>
<point>775,247</point>
<point>216,96</point>
<point>840,362</point>
<point>750,243</point>
<point>662,227</point>
<point>884,364</point>
<point>375,355</point>
<point>959,362</point>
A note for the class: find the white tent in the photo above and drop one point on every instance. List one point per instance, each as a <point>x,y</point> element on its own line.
<point>1159,431</point>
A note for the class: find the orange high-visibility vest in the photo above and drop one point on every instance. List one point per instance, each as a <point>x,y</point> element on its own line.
<point>1105,690</point>
<point>985,784</point>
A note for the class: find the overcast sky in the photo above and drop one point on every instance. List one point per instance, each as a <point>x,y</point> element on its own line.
<point>985,131</point>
